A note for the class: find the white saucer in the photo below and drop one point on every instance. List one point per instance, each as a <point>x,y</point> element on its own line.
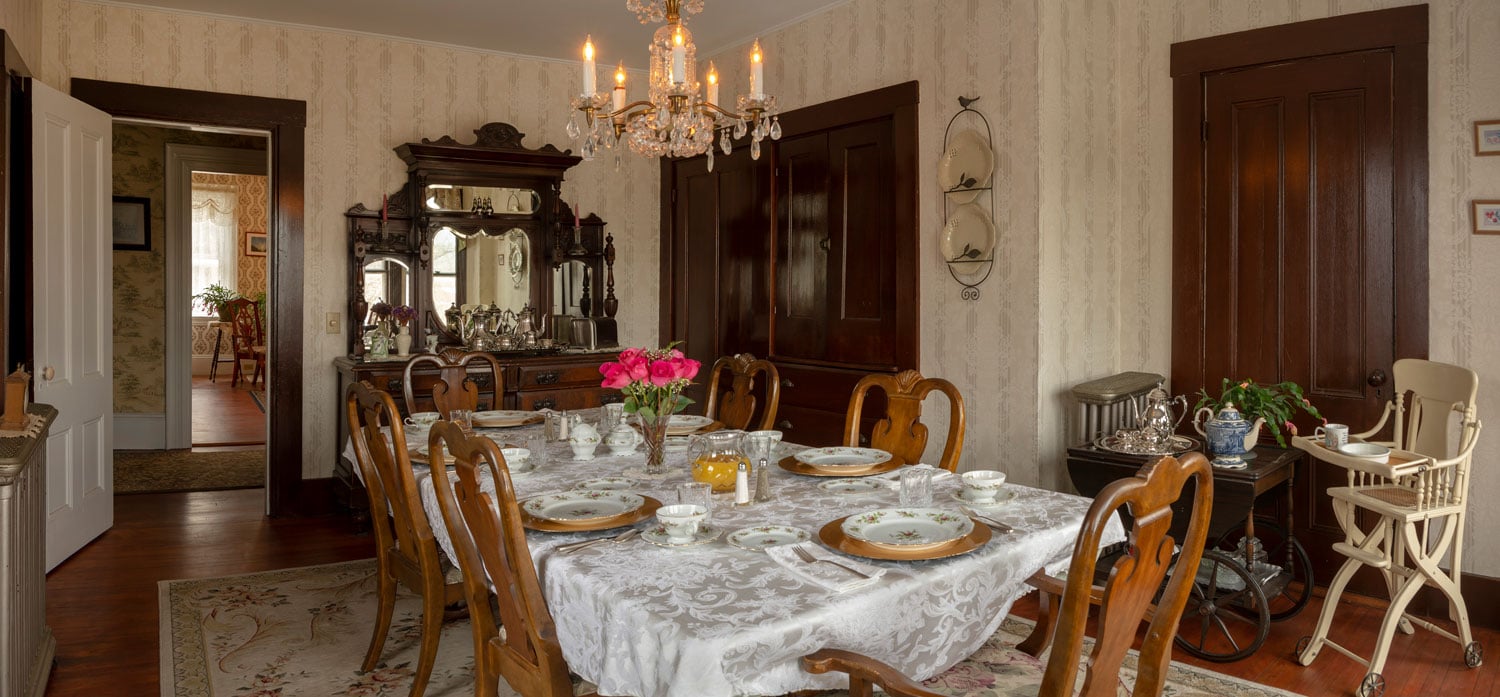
<point>758,538</point>
<point>852,487</point>
<point>1003,496</point>
<point>606,484</point>
<point>658,536</point>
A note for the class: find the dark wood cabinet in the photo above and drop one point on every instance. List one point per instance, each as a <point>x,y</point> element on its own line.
<point>807,256</point>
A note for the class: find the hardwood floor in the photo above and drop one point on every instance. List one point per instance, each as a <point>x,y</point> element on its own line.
<point>102,603</point>
<point>224,415</point>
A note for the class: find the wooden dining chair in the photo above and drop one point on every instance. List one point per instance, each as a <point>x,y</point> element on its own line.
<point>901,431</point>
<point>405,551</point>
<point>490,544</point>
<point>455,388</point>
<point>247,338</point>
<point>735,408</point>
<point>1126,601</point>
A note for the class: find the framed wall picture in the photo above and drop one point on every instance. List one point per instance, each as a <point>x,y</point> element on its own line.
<point>131,218</point>
<point>256,244</point>
<point>1487,137</point>
<point>1487,217</point>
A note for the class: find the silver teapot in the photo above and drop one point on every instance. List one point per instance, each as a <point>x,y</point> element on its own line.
<point>1156,419</point>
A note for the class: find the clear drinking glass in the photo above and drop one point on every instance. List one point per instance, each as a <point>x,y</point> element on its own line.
<point>699,494</point>
<point>612,415</point>
<point>537,444</point>
<point>916,487</point>
<point>463,418</point>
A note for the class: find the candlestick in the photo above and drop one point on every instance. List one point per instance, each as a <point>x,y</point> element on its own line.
<point>679,57</point>
<point>385,207</point>
<point>757,77</point>
<point>588,65</point>
<point>619,93</point>
<point>713,83</point>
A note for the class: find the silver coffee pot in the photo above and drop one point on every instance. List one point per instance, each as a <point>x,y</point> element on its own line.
<point>1155,417</point>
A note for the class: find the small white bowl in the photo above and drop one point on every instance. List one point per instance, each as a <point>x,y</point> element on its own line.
<point>423,418</point>
<point>1368,451</point>
<point>981,486</point>
<point>516,458</point>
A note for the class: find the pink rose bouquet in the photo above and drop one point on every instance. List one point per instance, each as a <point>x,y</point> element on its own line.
<point>652,380</point>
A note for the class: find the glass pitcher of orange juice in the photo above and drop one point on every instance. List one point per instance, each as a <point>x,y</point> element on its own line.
<point>717,457</point>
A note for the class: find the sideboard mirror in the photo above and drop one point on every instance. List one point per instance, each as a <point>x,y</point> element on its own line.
<point>387,279</point>
<point>458,198</point>
<point>481,270</point>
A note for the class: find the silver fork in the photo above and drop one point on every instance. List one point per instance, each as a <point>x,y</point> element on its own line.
<point>809,558</point>
<point>575,546</point>
<point>997,525</point>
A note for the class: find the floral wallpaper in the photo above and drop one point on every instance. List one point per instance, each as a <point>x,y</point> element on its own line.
<point>139,309</point>
<point>251,203</point>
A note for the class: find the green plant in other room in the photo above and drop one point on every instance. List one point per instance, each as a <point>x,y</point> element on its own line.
<point>215,298</point>
<point>1277,404</point>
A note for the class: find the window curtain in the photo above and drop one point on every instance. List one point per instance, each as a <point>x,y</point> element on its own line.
<point>216,237</point>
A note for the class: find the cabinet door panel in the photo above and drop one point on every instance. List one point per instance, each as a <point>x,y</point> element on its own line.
<point>744,252</point>
<point>802,270</point>
<point>862,269</point>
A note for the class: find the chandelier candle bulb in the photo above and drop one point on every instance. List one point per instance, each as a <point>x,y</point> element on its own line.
<point>619,93</point>
<point>713,84</point>
<point>757,76</point>
<point>679,57</point>
<point>588,65</point>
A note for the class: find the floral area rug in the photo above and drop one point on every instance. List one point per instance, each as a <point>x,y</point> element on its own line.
<point>295,632</point>
<point>156,471</point>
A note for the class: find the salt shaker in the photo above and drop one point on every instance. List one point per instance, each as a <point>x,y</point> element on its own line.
<point>742,485</point>
<point>762,483</point>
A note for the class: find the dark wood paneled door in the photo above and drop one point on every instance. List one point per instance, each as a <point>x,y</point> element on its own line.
<point>1298,249</point>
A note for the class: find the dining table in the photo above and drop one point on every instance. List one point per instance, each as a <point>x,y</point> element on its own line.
<point>716,620</point>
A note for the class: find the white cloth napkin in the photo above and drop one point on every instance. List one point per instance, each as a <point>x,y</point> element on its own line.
<point>892,480</point>
<point>822,574</point>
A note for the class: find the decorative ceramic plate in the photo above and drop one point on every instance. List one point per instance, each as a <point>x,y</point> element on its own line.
<point>968,163</point>
<point>645,512</point>
<point>758,538</point>
<point>579,506</point>
<point>505,418</point>
<point>852,487</point>
<point>842,458</point>
<point>908,528</point>
<point>969,236</point>
<point>1000,498</point>
<point>658,536</point>
<point>790,464</point>
<point>607,484</point>
<point>683,424</point>
<point>833,536</point>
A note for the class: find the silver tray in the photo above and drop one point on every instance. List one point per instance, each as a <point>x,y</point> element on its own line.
<point>1177,445</point>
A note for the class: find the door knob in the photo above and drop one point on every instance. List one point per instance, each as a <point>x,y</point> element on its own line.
<point>784,425</point>
<point>47,373</point>
<point>1377,378</point>
<point>787,383</point>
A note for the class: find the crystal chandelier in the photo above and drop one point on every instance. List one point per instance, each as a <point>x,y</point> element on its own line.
<point>675,119</point>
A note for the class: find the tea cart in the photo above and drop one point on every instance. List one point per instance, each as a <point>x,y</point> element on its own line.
<point>1255,572</point>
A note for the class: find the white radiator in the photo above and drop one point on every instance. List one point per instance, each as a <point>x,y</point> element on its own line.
<point>26,642</point>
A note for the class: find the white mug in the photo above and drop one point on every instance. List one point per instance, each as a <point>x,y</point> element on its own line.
<point>1334,436</point>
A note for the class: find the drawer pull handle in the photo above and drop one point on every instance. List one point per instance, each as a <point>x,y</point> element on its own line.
<point>544,404</point>
<point>548,378</point>
<point>393,385</point>
<point>786,383</point>
<point>784,424</point>
<point>611,398</point>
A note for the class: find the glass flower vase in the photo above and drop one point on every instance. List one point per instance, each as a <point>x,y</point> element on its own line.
<point>654,432</point>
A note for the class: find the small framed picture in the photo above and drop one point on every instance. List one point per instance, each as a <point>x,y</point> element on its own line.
<point>132,223</point>
<point>1487,217</point>
<point>1487,137</point>
<point>256,244</point>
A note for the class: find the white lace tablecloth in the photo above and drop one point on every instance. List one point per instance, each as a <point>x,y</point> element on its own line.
<point>719,621</point>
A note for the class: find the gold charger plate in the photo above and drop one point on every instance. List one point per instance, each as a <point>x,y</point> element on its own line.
<point>833,536</point>
<point>791,464</point>
<point>647,509</point>
<point>502,423</point>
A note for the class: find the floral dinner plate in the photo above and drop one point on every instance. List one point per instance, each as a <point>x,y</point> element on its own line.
<point>840,457</point>
<point>504,418</point>
<point>575,506</point>
<point>908,528</point>
<point>607,484</point>
<point>683,424</point>
<point>758,538</point>
<point>852,487</point>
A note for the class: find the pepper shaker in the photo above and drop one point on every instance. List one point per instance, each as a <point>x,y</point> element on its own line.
<point>762,483</point>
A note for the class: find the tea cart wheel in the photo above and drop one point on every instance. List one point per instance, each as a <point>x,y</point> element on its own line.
<point>1473,655</point>
<point>1227,617</point>
<point>1288,592</point>
<point>1372,686</point>
<point>1301,646</point>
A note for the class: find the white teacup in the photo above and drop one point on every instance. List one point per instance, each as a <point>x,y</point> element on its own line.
<point>517,459</point>
<point>422,418</point>
<point>981,486</point>
<point>681,521</point>
<point>1334,436</point>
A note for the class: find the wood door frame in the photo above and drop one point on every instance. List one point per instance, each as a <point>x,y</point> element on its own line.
<point>1403,32</point>
<point>286,120</point>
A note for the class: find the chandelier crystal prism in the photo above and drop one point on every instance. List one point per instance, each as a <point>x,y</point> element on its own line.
<point>680,116</point>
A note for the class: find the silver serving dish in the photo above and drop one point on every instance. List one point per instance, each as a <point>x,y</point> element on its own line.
<point>1138,443</point>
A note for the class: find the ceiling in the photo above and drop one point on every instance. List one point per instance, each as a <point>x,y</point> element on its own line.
<point>543,28</point>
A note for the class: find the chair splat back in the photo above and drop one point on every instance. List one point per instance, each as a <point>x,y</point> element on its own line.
<point>385,466</point>
<point>901,431</point>
<point>735,407</point>
<point>455,388</point>
<point>1437,391</point>
<point>488,537</point>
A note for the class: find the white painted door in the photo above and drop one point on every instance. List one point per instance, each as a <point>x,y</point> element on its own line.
<point>73,264</point>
